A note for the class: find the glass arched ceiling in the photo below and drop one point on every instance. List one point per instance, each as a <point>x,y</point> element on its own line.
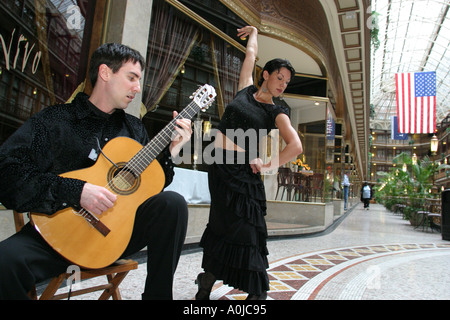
<point>414,36</point>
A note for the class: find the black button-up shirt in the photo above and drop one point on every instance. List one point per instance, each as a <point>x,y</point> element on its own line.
<point>60,139</point>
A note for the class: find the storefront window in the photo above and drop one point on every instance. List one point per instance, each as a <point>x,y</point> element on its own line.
<point>333,157</point>
<point>43,56</point>
<point>323,154</point>
<point>202,56</point>
<point>180,61</point>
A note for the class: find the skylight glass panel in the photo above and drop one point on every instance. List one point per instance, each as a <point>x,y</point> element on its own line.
<point>414,36</point>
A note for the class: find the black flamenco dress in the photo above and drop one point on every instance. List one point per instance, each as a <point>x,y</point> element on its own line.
<point>234,242</point>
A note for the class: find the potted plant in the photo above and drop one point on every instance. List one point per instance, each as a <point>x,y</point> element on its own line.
<point>408,185</point>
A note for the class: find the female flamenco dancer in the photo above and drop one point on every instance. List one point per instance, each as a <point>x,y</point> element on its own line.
<point>234,242</point>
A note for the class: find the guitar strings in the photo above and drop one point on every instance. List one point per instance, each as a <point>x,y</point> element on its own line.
<point>148,153</point>
<point>156,140</point>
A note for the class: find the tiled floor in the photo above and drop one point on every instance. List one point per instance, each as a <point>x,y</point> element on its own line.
<point>367,255</point>
<point>352,273</point>
<point>370,255</point>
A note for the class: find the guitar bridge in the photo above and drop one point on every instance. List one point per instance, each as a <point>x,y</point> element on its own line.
<point>94,222</point>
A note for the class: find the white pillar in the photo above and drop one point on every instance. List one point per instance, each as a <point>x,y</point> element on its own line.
<point>129,24</point>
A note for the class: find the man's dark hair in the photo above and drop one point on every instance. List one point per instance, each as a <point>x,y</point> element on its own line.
<point>276,64</point>
<point>114,55</point>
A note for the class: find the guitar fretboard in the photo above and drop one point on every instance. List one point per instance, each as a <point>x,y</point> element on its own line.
<point>149,152</point>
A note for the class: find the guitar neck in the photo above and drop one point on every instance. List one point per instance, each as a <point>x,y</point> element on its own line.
<point>156,145</point>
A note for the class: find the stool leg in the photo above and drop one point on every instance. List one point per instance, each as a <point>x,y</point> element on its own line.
<point>115,280</point>
<point>53,286</point>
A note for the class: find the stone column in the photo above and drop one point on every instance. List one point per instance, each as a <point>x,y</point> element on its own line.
<point>129,24</point>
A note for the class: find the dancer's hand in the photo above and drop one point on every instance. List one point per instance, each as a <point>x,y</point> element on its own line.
<point>258,165</point>
<point>246,31</point>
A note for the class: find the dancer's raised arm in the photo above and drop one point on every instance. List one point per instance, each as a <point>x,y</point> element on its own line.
<point>246,75</point>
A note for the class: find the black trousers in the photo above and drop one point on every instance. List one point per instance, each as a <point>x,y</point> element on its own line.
<point>366,202</point>
<point>160,225</point>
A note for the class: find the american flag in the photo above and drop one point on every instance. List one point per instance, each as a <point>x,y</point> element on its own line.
<point>416,102</point>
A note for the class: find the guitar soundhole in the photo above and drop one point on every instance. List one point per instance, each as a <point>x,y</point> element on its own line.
<point>123,181</point>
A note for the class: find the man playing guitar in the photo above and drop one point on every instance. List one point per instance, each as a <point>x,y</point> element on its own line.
<point>69,137</point>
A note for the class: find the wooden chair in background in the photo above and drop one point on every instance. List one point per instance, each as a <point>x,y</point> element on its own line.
<point>284,179</point>
<point>431,212</point>
<point>114,273</point>
<point>298,187</point>
<point>317,186</point>
<point>435,214</point>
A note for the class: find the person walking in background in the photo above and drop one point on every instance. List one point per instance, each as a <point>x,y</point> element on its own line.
<point>366,195</point>
<point>345,187</point>
<point>234,242</point>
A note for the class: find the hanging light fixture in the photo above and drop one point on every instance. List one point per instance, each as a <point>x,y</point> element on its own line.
<point>434,145</point>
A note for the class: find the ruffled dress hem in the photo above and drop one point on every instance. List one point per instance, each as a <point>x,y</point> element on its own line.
<point>234,241</point>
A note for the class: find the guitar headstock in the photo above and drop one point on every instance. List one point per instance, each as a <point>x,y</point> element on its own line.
<point>204,96</point>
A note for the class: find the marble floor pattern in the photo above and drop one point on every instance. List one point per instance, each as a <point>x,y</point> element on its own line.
<point>366,255</point>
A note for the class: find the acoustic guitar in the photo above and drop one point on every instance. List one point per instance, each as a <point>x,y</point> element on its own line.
<point>129,170</point>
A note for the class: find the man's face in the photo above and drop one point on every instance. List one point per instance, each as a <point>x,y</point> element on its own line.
<point>124,85</point>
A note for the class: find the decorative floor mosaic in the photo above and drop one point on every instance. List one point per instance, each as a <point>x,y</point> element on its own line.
<point>302,277</point>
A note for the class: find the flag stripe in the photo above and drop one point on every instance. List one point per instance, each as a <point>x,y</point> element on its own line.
<point>405,110</point>
<point>413,115</point>
<point>434,114</point>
